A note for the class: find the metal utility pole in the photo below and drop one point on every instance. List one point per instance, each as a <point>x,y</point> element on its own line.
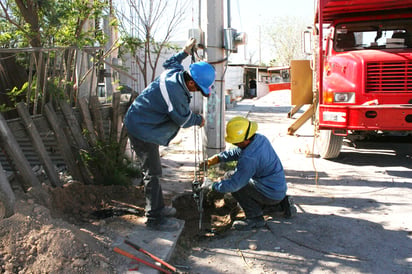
<point>214,106</point>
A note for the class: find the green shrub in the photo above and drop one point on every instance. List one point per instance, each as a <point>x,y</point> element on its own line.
<point>108,165</point>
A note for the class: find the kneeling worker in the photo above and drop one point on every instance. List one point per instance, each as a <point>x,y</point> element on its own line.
<point>258,180</point>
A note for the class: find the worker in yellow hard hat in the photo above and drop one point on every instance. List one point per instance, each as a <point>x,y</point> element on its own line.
<point>258,180</point>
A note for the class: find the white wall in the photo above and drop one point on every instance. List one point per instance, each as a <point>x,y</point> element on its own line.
<point>234,80</point>
<point>262,89</point>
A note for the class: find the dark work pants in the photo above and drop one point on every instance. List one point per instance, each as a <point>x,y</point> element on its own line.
<point>148,154</point>
<point>250,199</point>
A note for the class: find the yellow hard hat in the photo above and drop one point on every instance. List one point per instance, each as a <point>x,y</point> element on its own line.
<point>239,129</point>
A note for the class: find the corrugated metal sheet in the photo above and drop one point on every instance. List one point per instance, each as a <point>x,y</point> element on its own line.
<point>333,9</point>
<point>47,136</point>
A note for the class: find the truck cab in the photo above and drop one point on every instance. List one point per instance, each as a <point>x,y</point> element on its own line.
<point>371,60</point>
<point>362,69</point>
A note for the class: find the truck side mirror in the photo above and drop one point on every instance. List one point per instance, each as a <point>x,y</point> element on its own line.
<point>307,42</point>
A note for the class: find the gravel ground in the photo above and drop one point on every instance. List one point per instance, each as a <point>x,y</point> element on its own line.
<point>353,212</point>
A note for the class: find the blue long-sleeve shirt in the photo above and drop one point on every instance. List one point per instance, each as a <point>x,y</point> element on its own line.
<point>163,107</point>
<point>258,161</point>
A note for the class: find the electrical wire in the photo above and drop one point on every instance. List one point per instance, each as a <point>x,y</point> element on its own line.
<point>198,180</point>
<point>198,152</point>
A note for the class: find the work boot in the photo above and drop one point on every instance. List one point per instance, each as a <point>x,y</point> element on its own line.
<point>272,209</point>
<point>163,224</point>
<point>288,207</point>
<point>169,211</point>
<point>249,223</point>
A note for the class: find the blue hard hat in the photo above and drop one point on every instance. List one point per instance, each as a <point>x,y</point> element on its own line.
<point>204,75</point>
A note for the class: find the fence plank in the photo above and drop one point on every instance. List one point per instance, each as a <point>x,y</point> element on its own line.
<point>114,132</point>
<point>13,150</point>
<point>39,69</point>
<point>38,144</point>
<point>76,132</point>
<point>97,117</point>
<point>63,142</point>
<point>87,119</point>
<point>73,125</point>
<point>123,133</point>
<point>7,197</point>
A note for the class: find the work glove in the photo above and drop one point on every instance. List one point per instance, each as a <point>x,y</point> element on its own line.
<point>213,160</point>
<point>190,44</point>
<point>207,184</point>
<point>209,162</point>
<point>203,121</point>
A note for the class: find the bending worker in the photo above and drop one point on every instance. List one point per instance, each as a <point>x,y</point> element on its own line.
<point>154,119</point>
<point>258,179</point>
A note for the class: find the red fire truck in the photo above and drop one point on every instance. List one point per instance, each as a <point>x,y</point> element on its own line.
<point>361,68</point>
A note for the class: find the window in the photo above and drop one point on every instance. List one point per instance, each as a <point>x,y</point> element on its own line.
<point>393,34</point>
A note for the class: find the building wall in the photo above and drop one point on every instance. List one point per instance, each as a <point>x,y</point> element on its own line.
<point>234,83</point>
<point>262,89</point>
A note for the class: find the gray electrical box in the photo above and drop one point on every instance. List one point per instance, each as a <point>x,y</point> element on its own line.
<point>229,39</point>
<point>232,39</point>
<point>199,35</point>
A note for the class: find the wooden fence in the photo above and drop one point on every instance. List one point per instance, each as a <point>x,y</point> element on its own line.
<point>52,139</point>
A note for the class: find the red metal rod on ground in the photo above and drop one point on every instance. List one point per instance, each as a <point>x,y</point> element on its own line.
<point>157,259</point>
<point>131,256</point>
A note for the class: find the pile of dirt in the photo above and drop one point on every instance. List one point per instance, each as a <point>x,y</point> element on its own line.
<point>71,229</point>
<point>59,230</point>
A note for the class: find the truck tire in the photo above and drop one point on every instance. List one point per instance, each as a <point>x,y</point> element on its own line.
<point>329,145</point>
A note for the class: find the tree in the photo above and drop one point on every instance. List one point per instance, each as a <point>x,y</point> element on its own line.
<point>148,30</point>
<point>51,23</point>
<point>46,24</point>
<point>285,38</point>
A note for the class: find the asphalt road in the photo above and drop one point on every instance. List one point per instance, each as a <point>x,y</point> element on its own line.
<point>353,213</point>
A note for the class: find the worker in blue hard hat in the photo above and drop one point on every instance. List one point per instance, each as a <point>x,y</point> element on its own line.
<point>155,117</point>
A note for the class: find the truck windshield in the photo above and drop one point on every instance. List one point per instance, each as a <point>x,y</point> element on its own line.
<point>393,34</point>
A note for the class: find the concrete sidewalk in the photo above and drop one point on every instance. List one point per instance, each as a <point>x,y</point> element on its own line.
<point>160,244</point>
